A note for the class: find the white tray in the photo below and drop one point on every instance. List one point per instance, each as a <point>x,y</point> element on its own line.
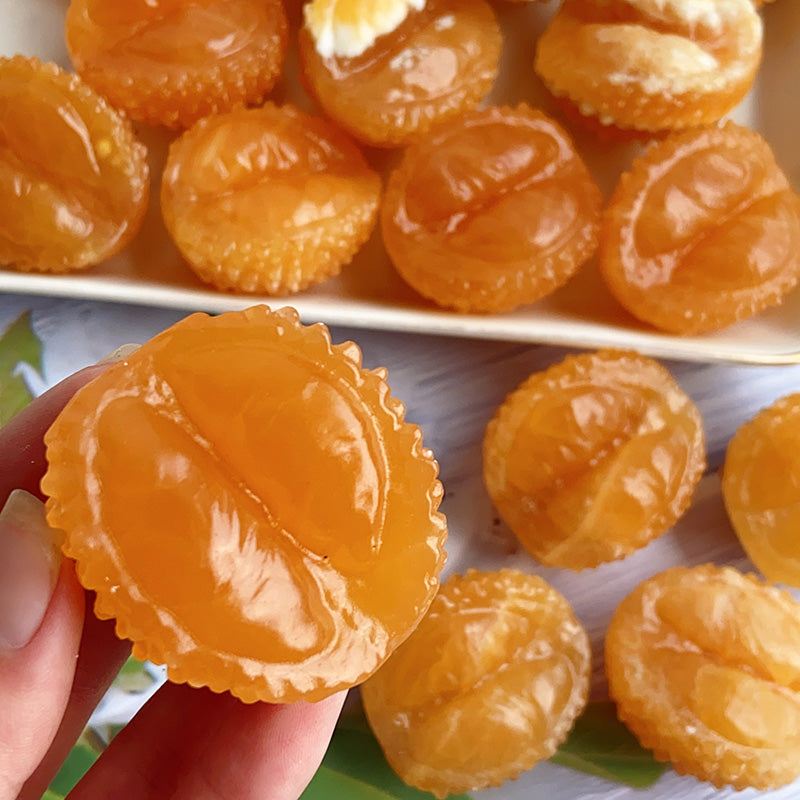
<point>369,294</point>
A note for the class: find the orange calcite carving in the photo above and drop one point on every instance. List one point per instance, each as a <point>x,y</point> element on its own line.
<point>249,505</point>
<point>704,664</point>
<point>172,62</point>
<point>439,62</point>
<point>491,210</point>
<point>74,180</point>
<point>593,458</point>
<point>268,199</point>
<point>488,685</point>
<point>703,231</point>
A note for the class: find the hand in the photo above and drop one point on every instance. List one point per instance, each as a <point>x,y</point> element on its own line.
<point>57,660</point>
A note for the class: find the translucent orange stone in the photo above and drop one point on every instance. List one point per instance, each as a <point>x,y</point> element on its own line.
<point>703,664</point>
<point>74,180</point>
<point>490,210</point>
<point>173,61</point>
<point>761,489</point>
<point>249,505</point>
<point>649,64</point>
<point>488,685</point>
<point>593,458</point>
<point>703,231</point>
<point>268,199</point>
<point>439,62</point>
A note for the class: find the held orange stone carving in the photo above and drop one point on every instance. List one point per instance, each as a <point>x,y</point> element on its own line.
<point>249,504</point>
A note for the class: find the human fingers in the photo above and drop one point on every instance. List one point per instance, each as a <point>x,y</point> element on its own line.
<point>101,655</point>
<point>41,619</point>
<point>192,744</point>
<point>289,740</point>
<point>22,450</point>
<point>22,464</point>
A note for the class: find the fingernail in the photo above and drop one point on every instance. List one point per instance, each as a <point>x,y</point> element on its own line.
<point>120,354</point>
<point>29,565</point>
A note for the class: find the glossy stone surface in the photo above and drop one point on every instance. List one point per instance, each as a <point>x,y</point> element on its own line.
<point>651,65</point>
<point>171,62</point>
<point>491,210</point>
<point>249,505</point>
<point>488,685</point>
<point>703,664</point>
<point>593,458</point>
<point>268,199</point>
<point>703,231</point>
<point>439,62</point>
<point>761,489</point>
<point>74,180</point>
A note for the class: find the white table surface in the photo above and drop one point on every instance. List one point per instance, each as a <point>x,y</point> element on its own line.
<point>451,388</point>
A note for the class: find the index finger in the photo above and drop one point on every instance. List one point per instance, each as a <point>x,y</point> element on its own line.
<point>21,439</point>
<point>101,653</point>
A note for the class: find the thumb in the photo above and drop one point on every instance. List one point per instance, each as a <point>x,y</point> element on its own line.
<point>41,619</point>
